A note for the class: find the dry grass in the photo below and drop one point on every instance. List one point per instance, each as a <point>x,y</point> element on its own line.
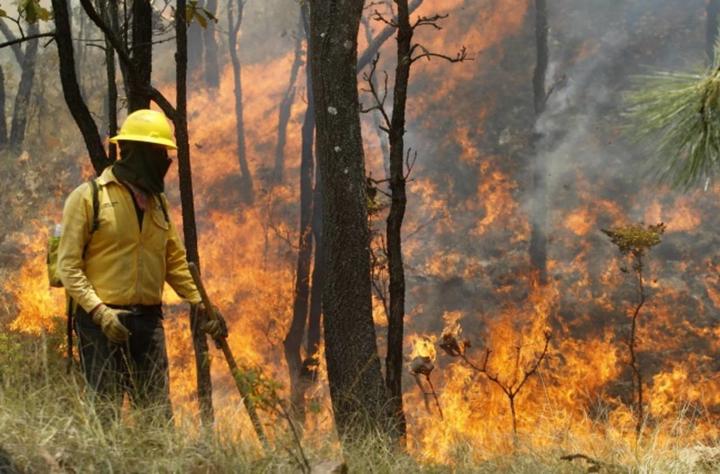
<point>46,426</point>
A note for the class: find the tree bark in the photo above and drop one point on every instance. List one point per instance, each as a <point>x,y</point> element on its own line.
<point>394,360</point>
<point>711,29</point>
<point>141,55</point>
<point>356,385</point>
<point>200,344</point>
<point>285,110</point>
<point>539,208</point>
<point>212,71</point>
<point>71,90</point>
<point>234,29</point>
<point>109,11</point>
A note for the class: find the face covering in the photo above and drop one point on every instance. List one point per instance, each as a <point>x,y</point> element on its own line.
<point>143,165</point>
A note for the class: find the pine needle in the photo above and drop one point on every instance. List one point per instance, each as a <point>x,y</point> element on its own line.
<point>677,115</point>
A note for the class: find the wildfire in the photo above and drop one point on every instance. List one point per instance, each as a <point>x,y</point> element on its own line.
<point>466,252</point>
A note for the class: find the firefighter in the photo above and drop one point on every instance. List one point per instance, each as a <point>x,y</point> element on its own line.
<point>114,264</point>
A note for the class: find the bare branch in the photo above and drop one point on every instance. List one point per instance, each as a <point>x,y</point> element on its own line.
<point>410,160</point>
<point>379,100</point>
<point>377,16</point>
<point>27,38</point>
<point>429,21</point>
<point>116,42</point>
<point>375,45</point>
<point>461,56</point>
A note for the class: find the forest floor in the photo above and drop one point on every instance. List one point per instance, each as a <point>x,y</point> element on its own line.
<point>47,426</point>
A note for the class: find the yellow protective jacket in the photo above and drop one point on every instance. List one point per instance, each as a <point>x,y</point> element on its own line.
<point>123,265</point>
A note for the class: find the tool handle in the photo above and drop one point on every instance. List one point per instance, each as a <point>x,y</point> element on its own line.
<point>195,272</point>
<point>230,359</point>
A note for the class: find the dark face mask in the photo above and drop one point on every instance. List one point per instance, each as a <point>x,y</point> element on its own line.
<point>143,165</point>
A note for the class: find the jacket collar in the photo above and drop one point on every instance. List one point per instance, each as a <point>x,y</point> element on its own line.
<point>107,176</point>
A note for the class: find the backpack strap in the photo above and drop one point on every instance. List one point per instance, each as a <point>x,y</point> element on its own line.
<point>96,206</point>
<point>71,306</point>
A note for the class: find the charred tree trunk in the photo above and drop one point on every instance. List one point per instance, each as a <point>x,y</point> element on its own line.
<point>200,344</point>
<point>299,371</point>
<point>212,71</point>
<point>285,110</point>
<point>538,195</point>
<point>234,29</point>
<point>139,81</point>
<point>314,332</point>
<point>71,90</point>
<point>394,360</point>
<point>109,11</point>
<point>22,99</point>
<point>356,384</point>
<point>711,29</point>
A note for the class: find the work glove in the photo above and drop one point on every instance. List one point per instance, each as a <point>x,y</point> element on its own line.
<point>214,327</point>
<point>108,320</point>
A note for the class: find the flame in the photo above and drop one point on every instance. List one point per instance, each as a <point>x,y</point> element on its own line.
<point>466,253</point>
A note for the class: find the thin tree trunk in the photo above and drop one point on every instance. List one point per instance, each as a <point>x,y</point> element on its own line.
<point>394,360</point>
<point>22,99</point>
<point>314,333</point>
<point>71,90</point>
<point>234,29</point>
<point>140,81</point>
<point>200,344</point>
<point>356,384</point>
<point>110,12</point>
<point>285,110</point>
<point>212,72</point>
<point>711,29</point>
<point>538,231</point>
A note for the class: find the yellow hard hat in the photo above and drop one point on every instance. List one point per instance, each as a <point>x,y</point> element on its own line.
<point>145,125</point>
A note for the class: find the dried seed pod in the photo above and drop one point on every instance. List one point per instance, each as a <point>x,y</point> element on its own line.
<point>422,365</point>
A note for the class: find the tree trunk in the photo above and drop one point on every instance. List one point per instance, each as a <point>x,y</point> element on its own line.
<point>202,359</point>
<point>314,333</point>
<point>394,360</point>
<point>71,90</point>
<point>139,82</point>
<point>234,29</point>
<point>22,99</point>
<point>285,110</point>
<point>711,29</point>
<point>212,72</point>
<point>356,385</point>
<point>538,195</point>
<point>109,11</point>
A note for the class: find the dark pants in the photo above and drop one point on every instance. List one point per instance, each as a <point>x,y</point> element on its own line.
<point>138,367</point>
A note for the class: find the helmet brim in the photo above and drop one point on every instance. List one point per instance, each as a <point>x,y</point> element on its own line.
<point>145,139</point>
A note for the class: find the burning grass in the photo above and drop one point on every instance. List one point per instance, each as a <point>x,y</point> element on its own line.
<point>45,426</point>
